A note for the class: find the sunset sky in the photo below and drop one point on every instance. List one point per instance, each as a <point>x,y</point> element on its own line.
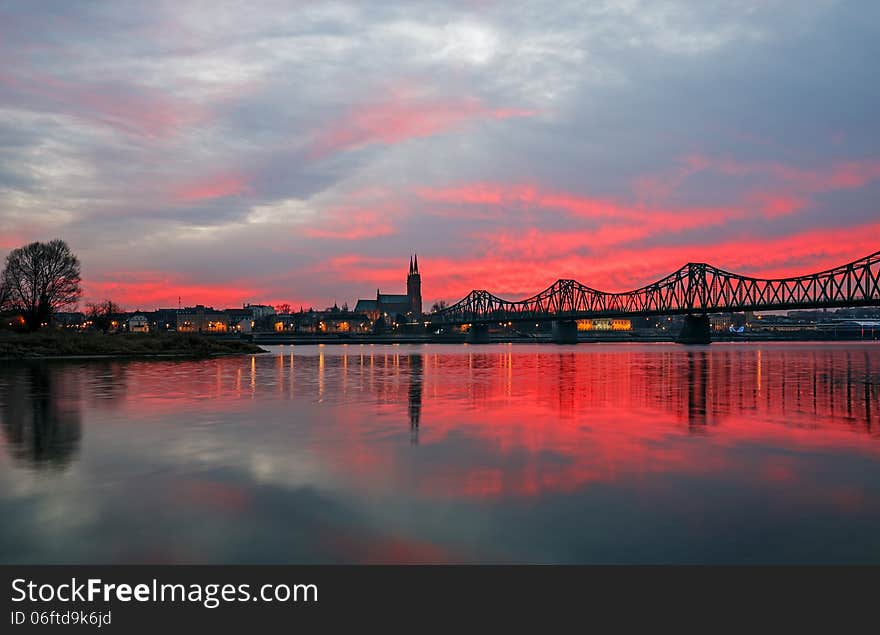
<point>301,151</point>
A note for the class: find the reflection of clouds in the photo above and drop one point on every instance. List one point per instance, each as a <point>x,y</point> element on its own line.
<point>272,468</point>
<point>65,509</point>
<point>43,510</point>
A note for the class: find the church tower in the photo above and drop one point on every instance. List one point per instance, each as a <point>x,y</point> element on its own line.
<point>414,287</point>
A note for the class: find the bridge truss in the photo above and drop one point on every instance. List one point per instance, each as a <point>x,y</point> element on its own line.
<point>696,288</point>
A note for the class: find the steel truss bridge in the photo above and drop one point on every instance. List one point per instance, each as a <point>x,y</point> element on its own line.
<point>695,289</point>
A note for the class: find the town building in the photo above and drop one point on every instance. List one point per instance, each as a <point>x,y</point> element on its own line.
<point>68,319</point>
<point>605,324</point>
<point>239,314</point>
<point>242,320</point>
<point>332,320</point>
<point>397,307</point>
<point>202,319</point>
<point>258,311</point>
<point>118,321</point>
<point>138,324</point>
<point>851,329</point>
<point>163,320</point>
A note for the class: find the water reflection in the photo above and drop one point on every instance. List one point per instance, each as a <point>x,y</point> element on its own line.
<point>594,453</point>
<point>801,387</point>
<point>697,373</point>
<point>41,422</point>
<point>416,368</point>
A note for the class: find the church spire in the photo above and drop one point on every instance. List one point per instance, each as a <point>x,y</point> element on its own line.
<point>410,265</point>
<point>416,264</point>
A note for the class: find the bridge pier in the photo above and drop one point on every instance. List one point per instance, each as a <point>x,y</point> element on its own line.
<point>696,330</point>
<point>478,334</point>
<point>565,332</point>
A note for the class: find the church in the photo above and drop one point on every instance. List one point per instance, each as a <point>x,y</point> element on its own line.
<point>391,305</point>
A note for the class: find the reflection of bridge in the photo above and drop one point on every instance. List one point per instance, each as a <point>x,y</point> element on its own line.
<point>695,290</point>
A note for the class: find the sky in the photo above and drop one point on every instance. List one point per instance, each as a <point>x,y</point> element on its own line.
<point>299,152</point>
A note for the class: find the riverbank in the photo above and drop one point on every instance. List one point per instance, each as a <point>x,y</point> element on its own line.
<point>72,345</point>
<point>57,344</point>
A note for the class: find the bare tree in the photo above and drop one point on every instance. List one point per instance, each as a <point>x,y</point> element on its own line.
<point>283,308</point>
<point>4,294</point>
<point>439,306</point>
<point>100,314</point>
<point>41,278</point>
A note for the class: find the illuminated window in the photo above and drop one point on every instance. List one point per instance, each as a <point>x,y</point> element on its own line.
<point>583,325</point>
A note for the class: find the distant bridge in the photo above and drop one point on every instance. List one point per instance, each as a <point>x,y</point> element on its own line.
<point>695,290</point>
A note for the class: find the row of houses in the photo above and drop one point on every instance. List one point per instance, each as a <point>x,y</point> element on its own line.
<point>208,320</point>
<point>196,319</point>
<point>332,320</point>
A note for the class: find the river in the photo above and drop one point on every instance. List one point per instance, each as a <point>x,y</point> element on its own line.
<point>594,453</point>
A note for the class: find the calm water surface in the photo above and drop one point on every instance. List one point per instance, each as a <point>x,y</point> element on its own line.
<point>499,453</point>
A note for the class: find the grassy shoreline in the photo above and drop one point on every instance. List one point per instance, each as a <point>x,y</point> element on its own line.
<point>61,344</point>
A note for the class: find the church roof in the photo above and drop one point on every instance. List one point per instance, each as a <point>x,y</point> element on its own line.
<point>389,298</point>
<point>366,305</point>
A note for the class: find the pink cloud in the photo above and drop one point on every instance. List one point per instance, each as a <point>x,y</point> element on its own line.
<point>478,194</point>
<point>353,225</point>
<point>397,120</point>
<point>131,108</point>
<point>778,188</point>
<point>837,176</point>
<point>217,186</point>
<point>11,241</point>
<point>359,214</point>
<point>773,204</point>
<point>534,197</point>
<point>148,289</point>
